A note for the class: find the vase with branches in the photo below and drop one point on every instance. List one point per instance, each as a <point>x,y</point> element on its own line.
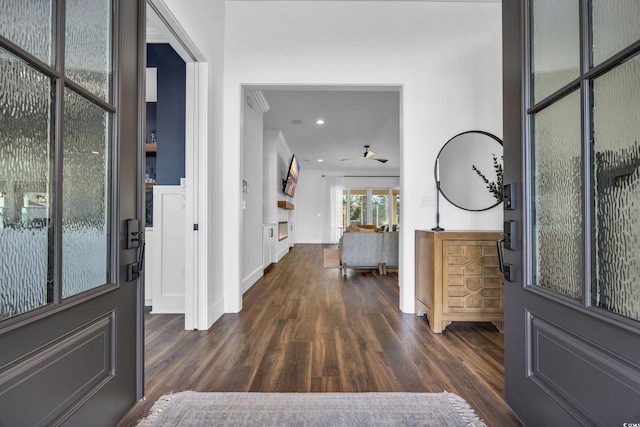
<point>494,187</point>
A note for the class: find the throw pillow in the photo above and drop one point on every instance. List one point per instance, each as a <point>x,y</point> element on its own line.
<point>353,227</point>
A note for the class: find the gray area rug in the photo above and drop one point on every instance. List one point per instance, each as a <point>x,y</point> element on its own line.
<point>311,409</point>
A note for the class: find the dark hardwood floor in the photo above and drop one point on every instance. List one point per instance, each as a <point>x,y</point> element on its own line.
<point>305,328</point>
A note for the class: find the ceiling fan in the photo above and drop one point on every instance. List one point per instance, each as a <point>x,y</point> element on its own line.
<point>367,155</point>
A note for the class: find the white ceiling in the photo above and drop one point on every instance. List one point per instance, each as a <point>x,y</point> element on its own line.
<point>433,1</point>
<point>353,118</point>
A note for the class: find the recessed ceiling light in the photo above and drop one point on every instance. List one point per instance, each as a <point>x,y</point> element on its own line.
<point>319,122</point>
<point>319,160</point>
<point>296,121</point>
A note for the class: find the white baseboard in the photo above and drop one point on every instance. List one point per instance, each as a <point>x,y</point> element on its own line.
<point>309,242</point>
<point>251,279</point>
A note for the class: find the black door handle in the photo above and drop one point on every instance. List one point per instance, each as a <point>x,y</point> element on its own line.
<point>134,240</point>
<point>134,269</point>
<point>500,256</point>
<point>141,254</point>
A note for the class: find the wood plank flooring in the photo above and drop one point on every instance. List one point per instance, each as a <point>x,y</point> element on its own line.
<point>305,328</point>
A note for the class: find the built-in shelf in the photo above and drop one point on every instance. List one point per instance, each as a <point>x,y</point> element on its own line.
<point>150,150</point>
<point>283,204</point>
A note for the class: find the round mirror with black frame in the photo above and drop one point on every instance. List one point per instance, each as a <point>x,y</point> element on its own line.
<point>469,168</point>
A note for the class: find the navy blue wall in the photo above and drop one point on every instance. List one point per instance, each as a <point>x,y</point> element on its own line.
<point>169,118</point>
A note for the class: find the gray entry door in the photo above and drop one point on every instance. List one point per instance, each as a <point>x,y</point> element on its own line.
<point>571,147</point>
<point>69,114</point>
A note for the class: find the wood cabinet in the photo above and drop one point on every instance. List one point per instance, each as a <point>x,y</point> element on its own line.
<point>458,277</point>
<point>269,241</point>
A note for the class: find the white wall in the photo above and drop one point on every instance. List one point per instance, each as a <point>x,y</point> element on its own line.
<point>372,181</point>
<point>277,156</point>
<point>284,215</point>
<point>310,207</point>
<point>204,23</point>
<point>445,57</point>
<point>270,177</point>
<point>252,146</point>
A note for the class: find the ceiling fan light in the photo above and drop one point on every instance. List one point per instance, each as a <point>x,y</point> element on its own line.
<point>367,155</point>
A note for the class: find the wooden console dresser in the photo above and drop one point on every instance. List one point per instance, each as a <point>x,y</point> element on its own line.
<point>458,278</point>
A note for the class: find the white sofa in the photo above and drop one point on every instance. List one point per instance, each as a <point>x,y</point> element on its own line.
<point>390,250</point>
<point>369,250</point>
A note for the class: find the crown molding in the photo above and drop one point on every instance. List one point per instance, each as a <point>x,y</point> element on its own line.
<point>262,102</point>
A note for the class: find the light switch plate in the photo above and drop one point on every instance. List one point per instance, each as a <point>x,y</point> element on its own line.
<point>427,201</point>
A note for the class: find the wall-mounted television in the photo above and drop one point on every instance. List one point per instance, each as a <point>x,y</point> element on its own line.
<point>289,184</point>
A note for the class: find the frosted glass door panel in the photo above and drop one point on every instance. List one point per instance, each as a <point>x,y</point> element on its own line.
<point>29,24</point>
<point>86,193</point>
<point>556,45</point>
<point>558,197</point>
<point>615,26</point>
<point>88,45</point>
<point>616,128</point>
<point>25,186</point>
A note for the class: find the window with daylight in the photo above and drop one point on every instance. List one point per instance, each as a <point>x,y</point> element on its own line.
<point>372,207</point>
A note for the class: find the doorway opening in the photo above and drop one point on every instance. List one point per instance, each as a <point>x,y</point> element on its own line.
<point>281,135</point>
<point>174,186</point>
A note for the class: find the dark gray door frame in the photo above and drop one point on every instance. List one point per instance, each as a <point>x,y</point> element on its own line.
<point>513,22</point>
<point>140,173</point>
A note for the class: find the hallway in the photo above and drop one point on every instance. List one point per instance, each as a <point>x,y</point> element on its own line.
<point>305,328</point>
